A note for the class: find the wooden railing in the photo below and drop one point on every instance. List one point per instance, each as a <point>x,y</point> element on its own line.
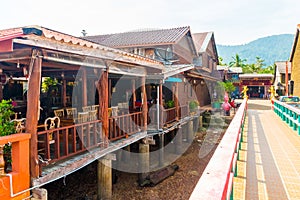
<point>59,143</point>
<point>124,125</point>
<point>289,114</point>
<point>184,111</point>
<point>217,178</point>
<point>169,115</point>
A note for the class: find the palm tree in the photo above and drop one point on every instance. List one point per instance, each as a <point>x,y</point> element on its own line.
<point>237,61</point>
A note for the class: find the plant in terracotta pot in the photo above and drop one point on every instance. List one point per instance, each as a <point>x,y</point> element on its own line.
<point>6,128</point>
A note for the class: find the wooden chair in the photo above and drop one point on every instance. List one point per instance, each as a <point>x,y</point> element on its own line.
<point>71,112</point>
<point>59,113</point>
<point>19,124</point>
<point>51,123</point>
<point>86,108</point>
<point>95,107</point>
<point>83,117</point>
<point>93,115</point>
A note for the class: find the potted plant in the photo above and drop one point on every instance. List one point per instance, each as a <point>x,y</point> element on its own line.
<point>193,105</point>
<point>170,104</point>
<point>6,128</point>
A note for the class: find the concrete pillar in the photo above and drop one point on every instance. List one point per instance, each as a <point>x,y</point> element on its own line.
<point>104,179</point>
<point>178,141</point>
<point>39,194</point>
<point>190,131</point>
<point>161,150</point>
<point>144,162</point>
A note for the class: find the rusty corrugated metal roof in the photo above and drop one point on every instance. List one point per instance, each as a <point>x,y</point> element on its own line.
<point>140,38</point>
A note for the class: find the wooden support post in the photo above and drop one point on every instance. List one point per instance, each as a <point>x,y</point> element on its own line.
<point>178,141</point>
<point>144,162</point>
<point>161,150</point>
<point>84,88</point>
<point>64,92</point>
<point>161,121</point>
<point>133,94</point>
<point>104,179</point>
<point>176,101</point>
<point>32,115</point>
<point>190,131</point>
<point>103,101</point>
<point>145,105</point>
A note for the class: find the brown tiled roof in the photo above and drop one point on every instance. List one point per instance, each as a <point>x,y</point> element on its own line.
<point>141,38</point>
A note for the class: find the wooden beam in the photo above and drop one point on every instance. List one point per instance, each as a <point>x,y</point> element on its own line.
<point>32,115</point>
<point>145,105</point>
<point>17,54</point>
<point>103,101</point>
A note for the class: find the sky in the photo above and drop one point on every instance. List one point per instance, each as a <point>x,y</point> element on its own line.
<point>232,21</point>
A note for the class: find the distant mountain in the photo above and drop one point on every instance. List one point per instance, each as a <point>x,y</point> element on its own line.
<point>270,49</point>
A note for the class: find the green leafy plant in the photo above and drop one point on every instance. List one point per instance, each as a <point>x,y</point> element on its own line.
<point>193,105</point>
<point>48,83</point>
<point>170,104</point>
<point>6,126</point>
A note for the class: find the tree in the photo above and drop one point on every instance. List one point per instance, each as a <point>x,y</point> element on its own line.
<point>268,70</point>
<point>221,61</point>
<point>237,61</point>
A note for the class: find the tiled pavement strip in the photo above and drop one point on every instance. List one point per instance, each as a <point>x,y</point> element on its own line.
<point>269,158</point>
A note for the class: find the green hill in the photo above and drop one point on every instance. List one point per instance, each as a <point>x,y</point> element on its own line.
<point>270,49</point>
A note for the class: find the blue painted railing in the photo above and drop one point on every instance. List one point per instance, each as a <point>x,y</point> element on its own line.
<point>289,114</point>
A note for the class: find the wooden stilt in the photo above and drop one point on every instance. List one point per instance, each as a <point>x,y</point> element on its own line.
<point>144,162</point>
<point>190,131</point>
<point>104,179</point>
<point>178,141</point>
<point>161,150</point>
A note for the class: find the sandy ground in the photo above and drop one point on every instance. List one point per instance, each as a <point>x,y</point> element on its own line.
<point>83,183</point>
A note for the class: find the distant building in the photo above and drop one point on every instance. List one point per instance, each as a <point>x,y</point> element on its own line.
<point>231,74</point>
<point>295,60</point>
<point>279,77</point>
<point>258,84</point>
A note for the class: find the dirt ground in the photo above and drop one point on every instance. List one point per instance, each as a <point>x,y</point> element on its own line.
<point>83,183</point>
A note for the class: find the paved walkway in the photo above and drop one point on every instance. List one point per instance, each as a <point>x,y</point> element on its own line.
<point>269,159</point>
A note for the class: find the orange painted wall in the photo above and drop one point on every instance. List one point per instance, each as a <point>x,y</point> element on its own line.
<point>20,167</point>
